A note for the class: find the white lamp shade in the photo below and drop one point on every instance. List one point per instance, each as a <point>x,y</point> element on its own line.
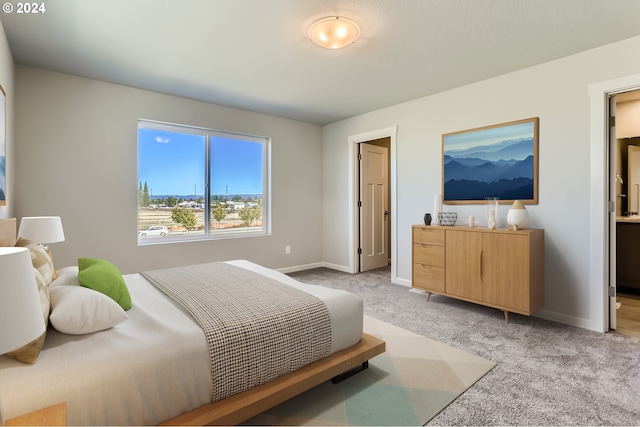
<point>21,318</point>
<point>42,229</point>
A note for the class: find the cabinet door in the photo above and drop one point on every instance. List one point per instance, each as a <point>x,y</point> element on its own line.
<point>506,270</point>
<point>627,250</point>
<point>463,264</point>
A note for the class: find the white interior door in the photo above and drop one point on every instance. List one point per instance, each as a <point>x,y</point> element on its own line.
<point>374,212</point>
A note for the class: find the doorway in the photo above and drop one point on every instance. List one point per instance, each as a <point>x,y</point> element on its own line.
<point>374,225</point>
<point>624,187</point>
<point>354,196</point>
<point>602,205</point>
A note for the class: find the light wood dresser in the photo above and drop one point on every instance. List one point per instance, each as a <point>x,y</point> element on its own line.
<point>497,268</point>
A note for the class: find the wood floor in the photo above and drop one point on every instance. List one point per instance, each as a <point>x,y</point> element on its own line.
<point>628,315</point>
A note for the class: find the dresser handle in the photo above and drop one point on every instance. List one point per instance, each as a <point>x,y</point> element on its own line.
<point>482,266</point>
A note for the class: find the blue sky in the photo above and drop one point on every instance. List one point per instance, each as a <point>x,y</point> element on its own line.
<point>173,164</point>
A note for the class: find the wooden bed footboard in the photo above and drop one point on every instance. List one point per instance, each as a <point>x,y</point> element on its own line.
<point>242,406</point>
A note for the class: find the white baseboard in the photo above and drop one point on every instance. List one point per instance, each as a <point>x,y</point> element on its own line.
<point>293,269</point>
<point>337,267</point>
<point>401,281</point>
<point>343,268</point>
<point>580,322</point>
<point>302,267</point>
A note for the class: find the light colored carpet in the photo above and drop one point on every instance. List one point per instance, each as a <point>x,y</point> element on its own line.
<point>547,373</point>
<point>407,385</point>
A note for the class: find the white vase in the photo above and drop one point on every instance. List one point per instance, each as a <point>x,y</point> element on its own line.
<point>492,211</point>
<point>517,217</point>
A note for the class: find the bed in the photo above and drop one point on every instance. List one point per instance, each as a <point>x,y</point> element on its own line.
<point>155,366</point>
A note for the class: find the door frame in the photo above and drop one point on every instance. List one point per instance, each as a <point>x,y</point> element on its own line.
<point>354,140</point>
<point>599,184</point>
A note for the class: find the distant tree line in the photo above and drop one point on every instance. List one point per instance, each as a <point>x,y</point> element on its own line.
<point>145,199</point>
<point>187,217</point>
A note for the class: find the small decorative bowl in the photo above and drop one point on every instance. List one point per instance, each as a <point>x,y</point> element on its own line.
<point>447,218</point>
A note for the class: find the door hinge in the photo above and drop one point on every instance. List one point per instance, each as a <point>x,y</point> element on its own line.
<point>359,251</point>
<point>612,206</point>
<point>612,121</point>
<point>359,203</point>
<point>359,156</point>
<point>612,291</point>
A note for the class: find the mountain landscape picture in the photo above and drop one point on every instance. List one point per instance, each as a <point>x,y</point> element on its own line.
<point>497,161</point>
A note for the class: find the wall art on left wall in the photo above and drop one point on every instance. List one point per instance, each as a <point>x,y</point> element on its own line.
<point>3,147</point>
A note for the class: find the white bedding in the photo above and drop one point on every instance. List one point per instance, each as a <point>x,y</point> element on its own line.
<point>145,370</point>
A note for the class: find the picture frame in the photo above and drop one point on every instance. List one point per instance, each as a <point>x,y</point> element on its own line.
<point>491,161</point>
<point>3,147</point>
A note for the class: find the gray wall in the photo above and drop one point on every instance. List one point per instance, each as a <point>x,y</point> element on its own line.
<point>76,157</point>
<point>558,93</point>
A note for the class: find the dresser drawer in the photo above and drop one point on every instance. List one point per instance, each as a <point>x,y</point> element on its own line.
<point>428,278</point>
<point>428,236</point>
<point>428,255</point>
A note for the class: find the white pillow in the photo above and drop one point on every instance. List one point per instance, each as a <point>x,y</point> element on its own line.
<point>78,310</point>
<point>66,276</point>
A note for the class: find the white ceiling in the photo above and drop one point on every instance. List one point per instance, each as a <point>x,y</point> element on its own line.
<point>254,54</point>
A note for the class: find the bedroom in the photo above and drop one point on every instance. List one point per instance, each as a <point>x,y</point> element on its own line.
<point>71,143</point>
<point>104,115</point>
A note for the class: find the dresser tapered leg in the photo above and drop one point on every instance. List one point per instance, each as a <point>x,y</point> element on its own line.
<point>506,316</point>
<point>428,295</point>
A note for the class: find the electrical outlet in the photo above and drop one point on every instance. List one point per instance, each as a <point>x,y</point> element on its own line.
<point>287,250</point>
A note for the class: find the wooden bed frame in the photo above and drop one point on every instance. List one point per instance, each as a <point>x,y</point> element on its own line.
<point>242,406</point>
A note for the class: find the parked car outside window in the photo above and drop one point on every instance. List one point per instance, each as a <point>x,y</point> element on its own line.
<point>156,230</point>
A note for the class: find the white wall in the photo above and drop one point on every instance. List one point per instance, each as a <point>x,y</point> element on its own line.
<point>77,158</point>
<point>557,93</point>
<point>6,80</point>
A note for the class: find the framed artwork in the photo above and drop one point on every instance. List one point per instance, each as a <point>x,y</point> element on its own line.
<point>3,147</point>
<point>492,161</point>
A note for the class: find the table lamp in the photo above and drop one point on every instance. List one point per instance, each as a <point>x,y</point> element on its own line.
<point>41,229</point>
<point>21,318</point>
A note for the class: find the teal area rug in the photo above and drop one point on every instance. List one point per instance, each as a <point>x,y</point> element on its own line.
<point>409,384</point>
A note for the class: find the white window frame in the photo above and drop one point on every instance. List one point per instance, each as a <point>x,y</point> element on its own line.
<point>209,234</point>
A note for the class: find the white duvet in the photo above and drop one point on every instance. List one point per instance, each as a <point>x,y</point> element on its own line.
<point>147,369</point>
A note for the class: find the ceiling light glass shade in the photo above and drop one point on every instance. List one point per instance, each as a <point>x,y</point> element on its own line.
<point>334,32</point>
<point>41,229</point>
<point>20,312</point>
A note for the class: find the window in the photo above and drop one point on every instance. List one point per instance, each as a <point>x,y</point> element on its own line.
<point>196,183</point>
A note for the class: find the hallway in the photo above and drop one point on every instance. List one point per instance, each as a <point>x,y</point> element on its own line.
<point>628,315</point>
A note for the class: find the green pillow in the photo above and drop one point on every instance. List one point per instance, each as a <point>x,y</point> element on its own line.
<point>104,277</point>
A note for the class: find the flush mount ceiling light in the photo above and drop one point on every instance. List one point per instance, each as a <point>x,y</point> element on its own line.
<point>334,32</point>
